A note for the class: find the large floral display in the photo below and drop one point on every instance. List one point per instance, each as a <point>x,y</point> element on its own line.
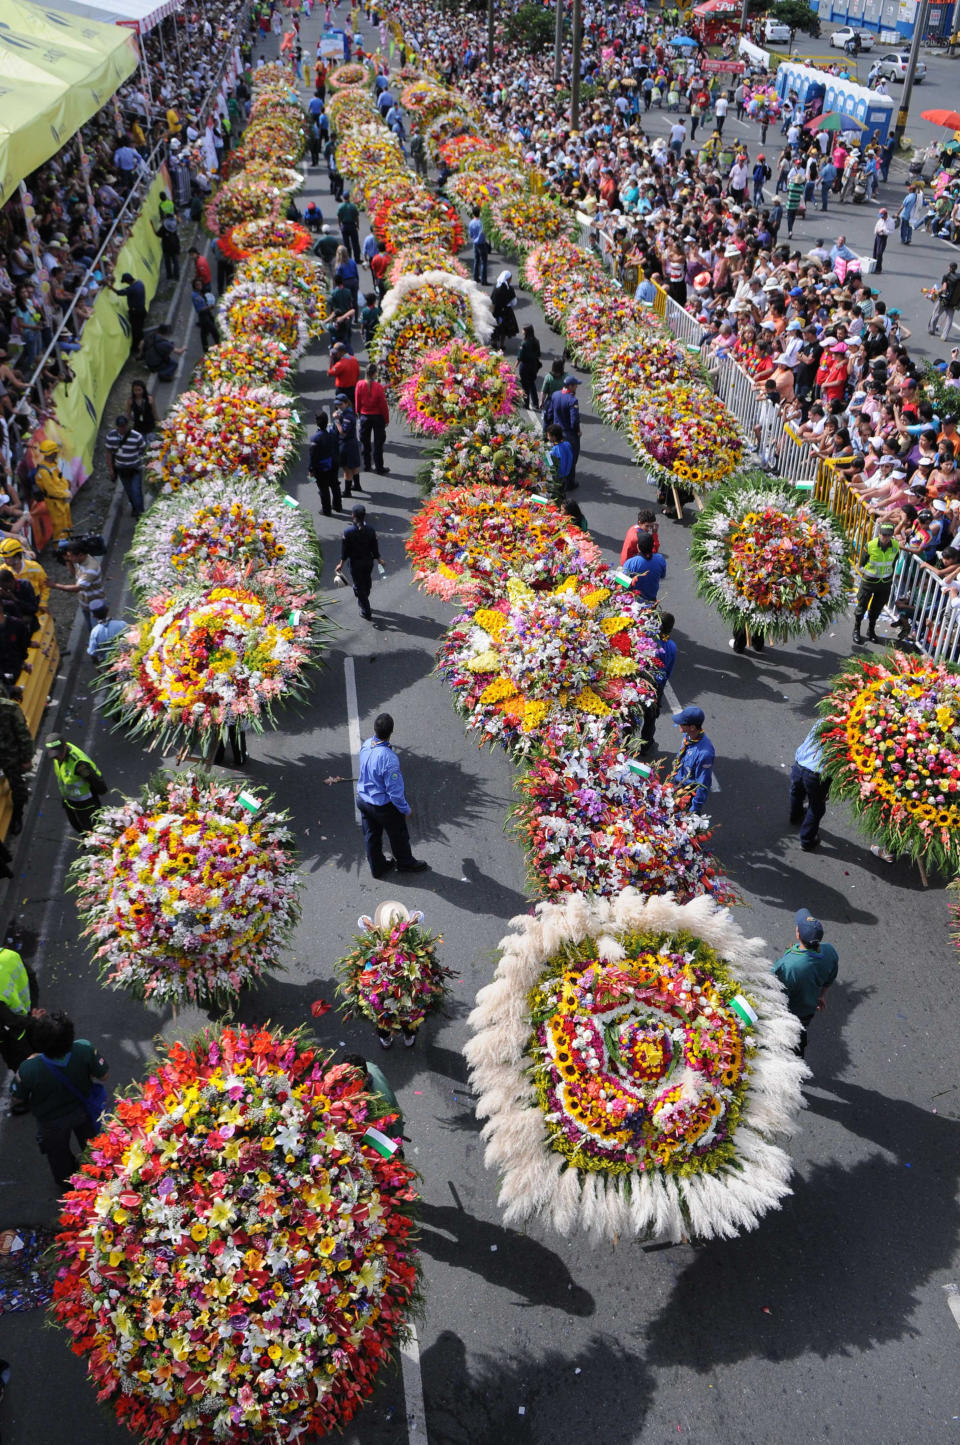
<point>685,435</point>
<point>516,224</point>
<point>768,560</point>
<point>188,894</point>
<point>633,364</point>
<point>593,820</point>
<point>201,661</point>
<point>299,275</point>
<point>420,218</point>
<point>250,309</point>
<point>495,451</point>
<point>227,427</point>
<point>466,541</point>
<point>392,976</point>
<point>235,1257</point>
<point>891,744</point>
<point>247,360</point>
<point>439,290</point>
<point>590,322</point>
<point>634,1060</point>
<point>418,257</point>
<point>399,344</point>
<point>532,665</point>
<point>225,526</point>
<point>453,385</point>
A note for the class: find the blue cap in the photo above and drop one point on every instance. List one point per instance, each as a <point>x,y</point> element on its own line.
<point>571,381</point>
<point>809,928</point>
<point>686,715</point>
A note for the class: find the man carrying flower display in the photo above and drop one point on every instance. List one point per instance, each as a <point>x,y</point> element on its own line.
<point>878,561</point>
<point>693,765</point>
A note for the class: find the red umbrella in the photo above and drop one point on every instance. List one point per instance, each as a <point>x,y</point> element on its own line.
<point>949,118</point>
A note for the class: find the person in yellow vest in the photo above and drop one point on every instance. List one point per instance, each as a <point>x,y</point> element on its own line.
<point>18,994</point>
<point>51,482</point>
<point>878,562</point>
<point>174,126</point>
<point>80,781</point>
<point>14,555</point>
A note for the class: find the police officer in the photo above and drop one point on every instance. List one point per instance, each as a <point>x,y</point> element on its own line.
<point>566,415</point>
<point>693,766</point>
<point>360,548</point>
<point>878,561</point>
<point>80,781</point>
<point>18,994</point>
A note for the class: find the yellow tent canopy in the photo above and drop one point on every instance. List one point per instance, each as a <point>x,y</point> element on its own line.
<point>56,71</point>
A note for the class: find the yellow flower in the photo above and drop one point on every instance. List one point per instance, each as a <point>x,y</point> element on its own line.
<point>198,1233</point>
<point>490,620</point>
<point>589,702</point>
<point>327,1246</point>
<point>484,661</point>
<point>594,599</point>
<point>611,625</point>
<point>497,691</point>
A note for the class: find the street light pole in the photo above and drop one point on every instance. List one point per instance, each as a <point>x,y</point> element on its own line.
<point>490,11</point>
<point>744,15</point>
<point>575,66</point>
<point>919,29</point>
<point>558,44</point>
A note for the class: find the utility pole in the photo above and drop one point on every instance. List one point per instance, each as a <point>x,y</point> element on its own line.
<point>558,44</point>
<point>744,16</point>
<point>919,30</point>
<point>575,66</point>
<point>490,13</point>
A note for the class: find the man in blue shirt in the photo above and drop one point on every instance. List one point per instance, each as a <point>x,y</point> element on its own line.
<point>807,970</point>
<point>808,789</point>
<point>382,803</point>
<point>693,765</point>
<point>104,630</point>
<point>481,247</point>
<point>646,567</point>
<point>561,459</point>
<point>566,414</point>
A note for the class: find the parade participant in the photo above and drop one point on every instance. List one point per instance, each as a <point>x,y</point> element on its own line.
<point>103,632</point>
<point>566,413</point>
<point>325,464</point>
<point>646,522</point>
<point>807,970</point>
<point>374,413</point>
<point>878,561</point>
<point>809,788</point>
<point>382,803</point>
<point>693,765</point>
<point>646,567</point>
<point>80,781</point>
<point>55,489</point>
<point>61,1084</point>
<point>360,548</point>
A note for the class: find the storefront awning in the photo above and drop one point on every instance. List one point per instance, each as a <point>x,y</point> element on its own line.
<point>140,15</point>
<point>56,72</point>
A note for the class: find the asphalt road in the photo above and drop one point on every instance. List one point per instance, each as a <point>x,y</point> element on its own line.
<point>830,1321</point>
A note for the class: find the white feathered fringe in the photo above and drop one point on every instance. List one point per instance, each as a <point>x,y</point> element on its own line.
<point>406,288</point>
<point>536,1179</point>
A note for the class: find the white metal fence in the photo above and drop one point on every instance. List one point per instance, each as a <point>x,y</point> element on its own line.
<point>934,609</point>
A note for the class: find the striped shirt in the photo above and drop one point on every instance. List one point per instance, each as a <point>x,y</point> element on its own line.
<point>795,189</point>
<point>126,448</point>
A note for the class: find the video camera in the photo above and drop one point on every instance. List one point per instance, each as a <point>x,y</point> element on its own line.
<point>90,542</point>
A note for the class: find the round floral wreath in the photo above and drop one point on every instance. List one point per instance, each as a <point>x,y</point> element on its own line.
<point>448,292</point>
<point>245,361</point>
<point>634,1059</point>
<point>631,365</point>
<point>535,665</point>
<point>392,976</point>
<point>302,276</point>
<point>252,430</point>
<point>400,221</point>
<point>496,452</point>
<point>769,561</point>
<point>891,744</point>
<point>237,1261</point>
<point>269,233</point>
<point>454,384</point>
<point>187,895</point>
<point>248,309</point>
<point>413,260</point>
<point>667,427</point>
<point>399,344</point>
<point>516,224</point>
<point>590,322</point>
<point>467,541</point>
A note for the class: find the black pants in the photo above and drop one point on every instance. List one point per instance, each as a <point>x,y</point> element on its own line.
<point>528,380</point>
<point>481,255</point>
<point>237,739</point>
<point>879,246</point>
<point>872,598</point>
<point>351,239</point>
<point>740,640</point>
<point>802,1045</point>
<point>19,792</point>
<point>171,265</point>
<point>574,439</point>
<point>54,1140</point>
<point>225,270</point>
<point>209,331</point>
<point>82,816</point>
<point>808,802</point>
<point>362,577</point>
<point>377,819</point>
<point>328,485</point>
<point>137,322</point>
<point>373,429</point>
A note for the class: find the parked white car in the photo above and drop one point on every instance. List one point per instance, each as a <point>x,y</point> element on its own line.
<point>894,67</point>
<point>841,39</point>
<point>776,33</point>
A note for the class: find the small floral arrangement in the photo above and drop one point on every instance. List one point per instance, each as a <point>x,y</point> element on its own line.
<point>300,276</point>
<point>530,665</point>
<point>685,434</point>
<point>270,233</point>
<point>494,451</point>
<point>413,260</point>
<point>516,224</point>
<point>199,662</point>
<point>251,195</point>
<point>768,560</point>
<point>444,127</point>
<point>237,526</point>
<point>559,273</point>
<point>477,188</point>
<point>456,148</point>
<point>245,361</point>
<point>454,384</point>
<point>236,1257</point>
<point>392,976</point>
<point>592,820</point>
<point>190,894</point>
<point>589,324</point>
<point>891,745</point>
<point>634,1058</point>
<point>466,542</point>
<point>348,77</point>
<point>249,309</point>
<point>421,218</point>
<point>629,366</point>
<point>252,430</point>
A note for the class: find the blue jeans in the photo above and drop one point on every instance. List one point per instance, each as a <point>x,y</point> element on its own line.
<point>132,482</point>
<point>906,230</point>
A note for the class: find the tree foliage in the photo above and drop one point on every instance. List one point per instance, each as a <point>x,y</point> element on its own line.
<point>530,26</point>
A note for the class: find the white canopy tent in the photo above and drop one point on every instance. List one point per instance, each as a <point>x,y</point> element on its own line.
<point>140,15</point>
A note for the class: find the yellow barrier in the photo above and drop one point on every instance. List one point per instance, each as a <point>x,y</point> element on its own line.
<point>850,510</point>
<point>44,659</point>
<point>659,300</point>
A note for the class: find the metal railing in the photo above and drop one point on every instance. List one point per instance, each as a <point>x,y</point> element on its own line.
<point>934,608</point>
<point>686,328</point>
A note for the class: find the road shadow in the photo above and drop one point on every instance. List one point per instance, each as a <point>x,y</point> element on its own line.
<point>841,1267</point>
<point>598,1392</point>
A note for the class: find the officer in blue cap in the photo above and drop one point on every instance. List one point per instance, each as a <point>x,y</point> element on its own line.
<point>693,765</point>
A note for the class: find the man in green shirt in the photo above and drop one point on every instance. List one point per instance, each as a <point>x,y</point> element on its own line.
<point>55,1082</point>
<point>349,218</point>
<point>384,1099</point>
<point>807,970</point>
<point>796,185</point>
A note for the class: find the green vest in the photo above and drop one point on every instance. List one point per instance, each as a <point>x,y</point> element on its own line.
<point>73,788</point>
<point>14,984</point>
<point>880,562</point>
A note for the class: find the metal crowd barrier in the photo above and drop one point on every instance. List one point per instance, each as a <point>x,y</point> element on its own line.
<point>935,608</point>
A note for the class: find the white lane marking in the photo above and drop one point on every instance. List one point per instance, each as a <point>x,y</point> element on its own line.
<point>413,1387</point>
<point>953,1301</point>
<point>353,724</point>
<point>676,706</point>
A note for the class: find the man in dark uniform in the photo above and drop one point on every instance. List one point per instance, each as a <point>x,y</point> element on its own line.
<point>566,415</point>
<point>14,641</point>
<point>361,549</point>
<point>325,464</point>
<point>135,294</point>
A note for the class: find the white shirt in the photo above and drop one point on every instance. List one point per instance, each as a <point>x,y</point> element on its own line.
<point>721,106</point>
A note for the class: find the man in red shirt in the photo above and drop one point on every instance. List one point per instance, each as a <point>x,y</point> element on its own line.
<point>379,264</point>
<point>374,414</point>
<point>201,271</point>
<point>344,369</point>
<point>646,522</point>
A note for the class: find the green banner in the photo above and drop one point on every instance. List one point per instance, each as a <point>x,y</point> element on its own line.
<point>105,342</point>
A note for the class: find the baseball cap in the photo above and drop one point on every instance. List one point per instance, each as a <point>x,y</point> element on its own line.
<point>686,715</point>
<point>887,527</point>
<point>571,381</point>
<point>53,742</point>
<point>809,928</point>
<point>99,609</point>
